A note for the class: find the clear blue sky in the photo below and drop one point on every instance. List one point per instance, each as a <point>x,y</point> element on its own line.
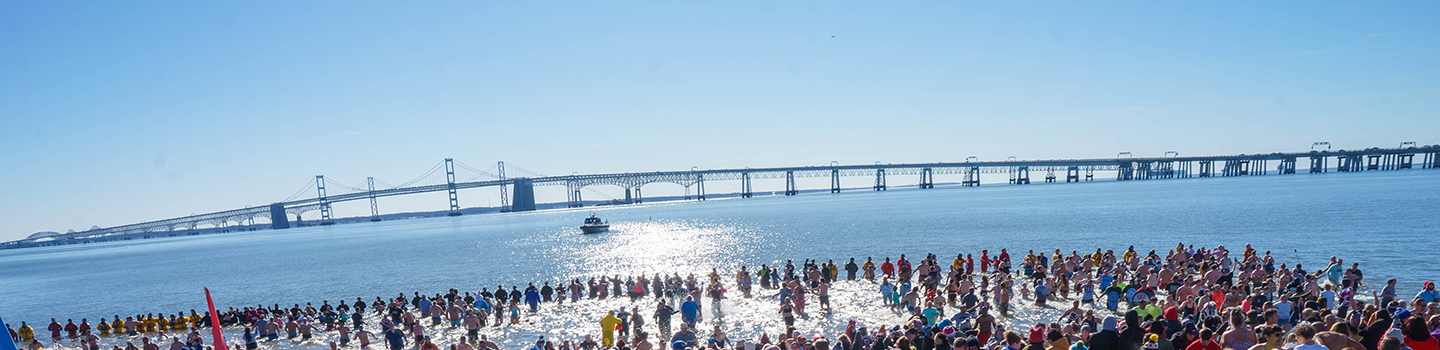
<point>119,112</point>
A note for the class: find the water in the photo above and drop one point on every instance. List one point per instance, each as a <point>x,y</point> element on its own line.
<point>1384,220</point>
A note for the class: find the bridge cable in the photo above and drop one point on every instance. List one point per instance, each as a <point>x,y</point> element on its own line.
<point>309,187</point>
<point>478,172</point>
<point>344,186</point>
<point>523,171</point>
<point>423,176</point>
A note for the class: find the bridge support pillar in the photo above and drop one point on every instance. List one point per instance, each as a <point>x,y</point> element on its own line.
<point>1072,174</point>
<point>880,179</point>
<point>927,178</point>
<point>745,185</point>
<point>1142,171</point>
<point>972,177</point>
<point>638,197</point>
<point>1407,161</point>
<point>1126,171</point>
<point>575,200</point>
<point>790,189</point>
<point>1022,175</point>
<point>1236,167</point>
<point>1207,168</point>
<point>278,218</point>
<point>834,180</point>
<point>1050,176</point>
<point>524,195</point>
<point>1319,164</point>
<point>628,197</point>
<point>1355,163</point>
<point>1287,166</point>
<point>700,187</point>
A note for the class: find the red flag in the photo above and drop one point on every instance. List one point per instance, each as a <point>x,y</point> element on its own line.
<point>219,341</point>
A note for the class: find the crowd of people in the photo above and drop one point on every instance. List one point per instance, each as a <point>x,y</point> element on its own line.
<point>1189,299</point>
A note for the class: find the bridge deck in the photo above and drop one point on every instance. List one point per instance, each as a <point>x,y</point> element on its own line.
<point>1127,168</point>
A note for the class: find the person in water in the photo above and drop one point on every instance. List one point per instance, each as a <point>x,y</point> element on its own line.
<point>1181,290</point>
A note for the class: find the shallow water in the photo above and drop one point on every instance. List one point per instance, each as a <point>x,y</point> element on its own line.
<point>1384,220</point>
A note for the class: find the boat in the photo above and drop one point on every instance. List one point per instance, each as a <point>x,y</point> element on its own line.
<point>593,224</point>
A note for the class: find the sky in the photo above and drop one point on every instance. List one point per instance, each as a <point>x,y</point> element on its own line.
<point>120,112</point>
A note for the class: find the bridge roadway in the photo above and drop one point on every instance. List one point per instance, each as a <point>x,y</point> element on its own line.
<point>1076,170</point>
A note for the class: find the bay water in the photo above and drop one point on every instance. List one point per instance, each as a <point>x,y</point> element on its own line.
<point>1386,221</point>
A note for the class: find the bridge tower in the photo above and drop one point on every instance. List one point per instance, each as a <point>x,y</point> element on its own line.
<point>504,193</point>
<point>927,178</point>
<point>324,200</point>
<point>374,209</point>
<point>880,179</point>
<point>745,185</point>
<point>450,185</point>
<point>790,184</point>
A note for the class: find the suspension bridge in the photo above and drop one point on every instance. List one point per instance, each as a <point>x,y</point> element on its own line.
<point>517,193</point>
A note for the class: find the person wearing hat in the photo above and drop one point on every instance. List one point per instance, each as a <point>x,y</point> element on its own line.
<point>1107,338</point>
<point>1428,292</point>
<point>677,345</point>
<point>1035,339</point>
<point>1056,340</point>
<point>1186,334</point>
<point>607,328</point>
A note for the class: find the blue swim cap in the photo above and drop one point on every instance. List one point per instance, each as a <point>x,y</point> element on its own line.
<point>678,345</point>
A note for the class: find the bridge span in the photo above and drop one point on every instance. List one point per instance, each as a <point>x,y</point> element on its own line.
<point>518,192</point>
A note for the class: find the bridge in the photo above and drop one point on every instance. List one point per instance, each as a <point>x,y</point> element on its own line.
<point>517,193</point>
